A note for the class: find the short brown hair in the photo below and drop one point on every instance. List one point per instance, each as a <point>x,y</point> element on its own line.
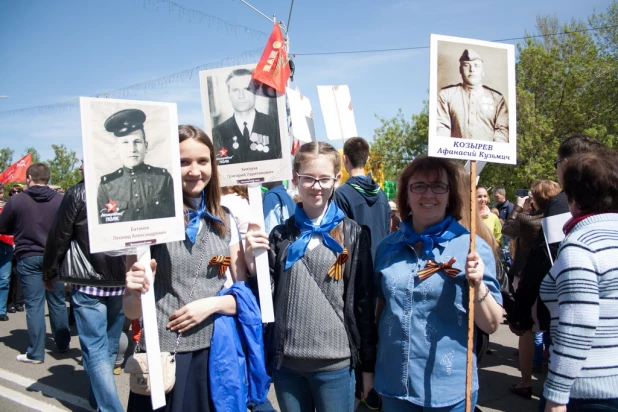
<point>357,150</point>
<point>430,166</point>
<point>591,181</point>
<point>542,191</point>
<point>39,173</point>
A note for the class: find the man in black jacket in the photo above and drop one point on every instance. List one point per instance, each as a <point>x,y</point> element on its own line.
<point>360,197</point>
<point>28,218</point>
<point>97,289</point>
<point>539,263</point>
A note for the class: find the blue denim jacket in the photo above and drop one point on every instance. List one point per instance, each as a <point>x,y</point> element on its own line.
<point>423,328</point>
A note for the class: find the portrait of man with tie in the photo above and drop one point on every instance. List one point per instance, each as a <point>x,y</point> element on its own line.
<point>248,135</point>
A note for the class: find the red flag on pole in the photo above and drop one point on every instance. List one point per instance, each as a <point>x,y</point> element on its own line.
<point>273,68</point>
<point>17,171</point>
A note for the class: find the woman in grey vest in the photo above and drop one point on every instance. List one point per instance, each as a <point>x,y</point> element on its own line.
<point>188,277</point>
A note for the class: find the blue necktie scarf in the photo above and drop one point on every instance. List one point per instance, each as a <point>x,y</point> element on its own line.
<point>441,232</point>
<point>331,219</point>
<point>195,216</point>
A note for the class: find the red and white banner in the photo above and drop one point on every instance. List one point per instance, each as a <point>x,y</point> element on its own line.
<point>17,171</point>
<point>273,68</point>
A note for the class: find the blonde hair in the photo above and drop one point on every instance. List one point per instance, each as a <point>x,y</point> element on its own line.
<point>311,150</point>
<point>542,191</point>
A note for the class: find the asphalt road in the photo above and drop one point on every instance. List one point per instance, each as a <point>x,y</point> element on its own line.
<point>61,384</point>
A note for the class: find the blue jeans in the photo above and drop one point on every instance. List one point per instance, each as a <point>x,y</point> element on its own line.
<point>315,391</point>
<point>99,323</point>
<point>6,256</point>
<point>399,405</point>
<point>31,277</point>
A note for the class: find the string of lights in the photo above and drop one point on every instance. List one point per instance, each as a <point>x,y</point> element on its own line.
<point>426,47</point>
<point>245,58</point>
<point>194,15</point>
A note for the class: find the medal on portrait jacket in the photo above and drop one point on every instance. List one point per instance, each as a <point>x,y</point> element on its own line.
<point>259,142</point>
<point>235,144</point>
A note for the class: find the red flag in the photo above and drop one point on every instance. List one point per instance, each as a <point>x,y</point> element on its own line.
<point>17,171</point>
<point>273,68</point>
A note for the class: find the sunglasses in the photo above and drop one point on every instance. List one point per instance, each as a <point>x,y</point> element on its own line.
<point>558,161</point>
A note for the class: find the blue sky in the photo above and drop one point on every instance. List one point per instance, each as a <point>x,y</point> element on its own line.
<point>55,51</point>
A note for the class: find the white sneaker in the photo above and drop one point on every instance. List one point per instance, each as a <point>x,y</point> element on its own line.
<point>24,358</point>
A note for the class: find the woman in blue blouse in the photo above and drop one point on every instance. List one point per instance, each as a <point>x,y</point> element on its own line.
<point>423,320</point>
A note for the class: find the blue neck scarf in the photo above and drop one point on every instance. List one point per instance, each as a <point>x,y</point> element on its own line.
<point>331,219</point>
<point>195,216</point>
<point>441,232</point>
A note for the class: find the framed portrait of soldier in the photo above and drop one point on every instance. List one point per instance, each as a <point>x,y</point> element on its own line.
<point>131,172</point>
<point>246,120</point>
<point>472,100</point>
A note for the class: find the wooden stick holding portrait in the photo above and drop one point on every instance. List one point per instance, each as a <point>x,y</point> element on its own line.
<point>472,117</point>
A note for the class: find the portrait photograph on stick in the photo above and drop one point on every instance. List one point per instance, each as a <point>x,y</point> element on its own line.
<point>246,121</point>
<point>472,100</point>
<point>131,172</point>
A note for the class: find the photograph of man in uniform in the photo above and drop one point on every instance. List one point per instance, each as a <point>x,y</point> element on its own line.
<point>248,135</point>
<point>136,191</point>
<point>471,110</point>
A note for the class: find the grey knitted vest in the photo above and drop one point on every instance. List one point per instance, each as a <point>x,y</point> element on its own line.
<point>315,336</point>
<point>177,263</point>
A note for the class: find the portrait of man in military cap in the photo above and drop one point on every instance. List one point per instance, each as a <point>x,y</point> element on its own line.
<point>136,190</point>
<point>241,131</point>
<point>471,109</point>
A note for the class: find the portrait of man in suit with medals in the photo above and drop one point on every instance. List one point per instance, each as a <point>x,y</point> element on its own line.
<point>248,135</point>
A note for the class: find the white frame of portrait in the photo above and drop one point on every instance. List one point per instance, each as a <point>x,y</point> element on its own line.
<point>472,149</point>
<point>248,172</point>
<point>105,237</point>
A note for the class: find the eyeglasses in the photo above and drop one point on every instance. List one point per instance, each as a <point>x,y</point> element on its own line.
<point>558,161</point>
<point>13,191</point>
<point>437,188</point>
<point>309,181</point>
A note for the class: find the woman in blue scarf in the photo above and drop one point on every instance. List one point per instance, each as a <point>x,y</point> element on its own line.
<point>421,278</point>
<point>321,269</point>
<point>189,275</point>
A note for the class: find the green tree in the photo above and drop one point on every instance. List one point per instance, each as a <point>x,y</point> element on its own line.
<point>36,158</point>
<point>566,84</point>
<point>397,141</point>
<point>62,167</point>
<point>6,158</point>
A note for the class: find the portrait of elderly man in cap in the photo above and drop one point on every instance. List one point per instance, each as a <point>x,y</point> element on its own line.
<point>470,109</point>
<point>137,190</point>
<point>248,135</point>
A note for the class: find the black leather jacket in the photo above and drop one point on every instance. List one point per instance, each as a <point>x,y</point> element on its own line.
<point>71,223</point>
<point>358,300</point>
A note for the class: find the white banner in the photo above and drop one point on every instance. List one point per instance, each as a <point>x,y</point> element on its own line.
<point>302,116</point>
<point>338,112</point>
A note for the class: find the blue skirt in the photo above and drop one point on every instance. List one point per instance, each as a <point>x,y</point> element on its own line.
<point>190,393</point>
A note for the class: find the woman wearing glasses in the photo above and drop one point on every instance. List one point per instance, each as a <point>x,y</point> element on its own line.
<point>421,279</point>
<point>321,268</point>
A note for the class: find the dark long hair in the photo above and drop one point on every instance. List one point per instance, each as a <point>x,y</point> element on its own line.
<point>212,189</point>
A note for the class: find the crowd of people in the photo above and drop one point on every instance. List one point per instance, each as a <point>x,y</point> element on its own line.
<point>370,296</point>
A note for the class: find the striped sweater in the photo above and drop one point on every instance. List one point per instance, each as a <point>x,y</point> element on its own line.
<point>581,293</point>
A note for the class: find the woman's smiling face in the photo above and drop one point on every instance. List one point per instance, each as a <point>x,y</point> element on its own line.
<point>195,167</point>
<point>428,208</point>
